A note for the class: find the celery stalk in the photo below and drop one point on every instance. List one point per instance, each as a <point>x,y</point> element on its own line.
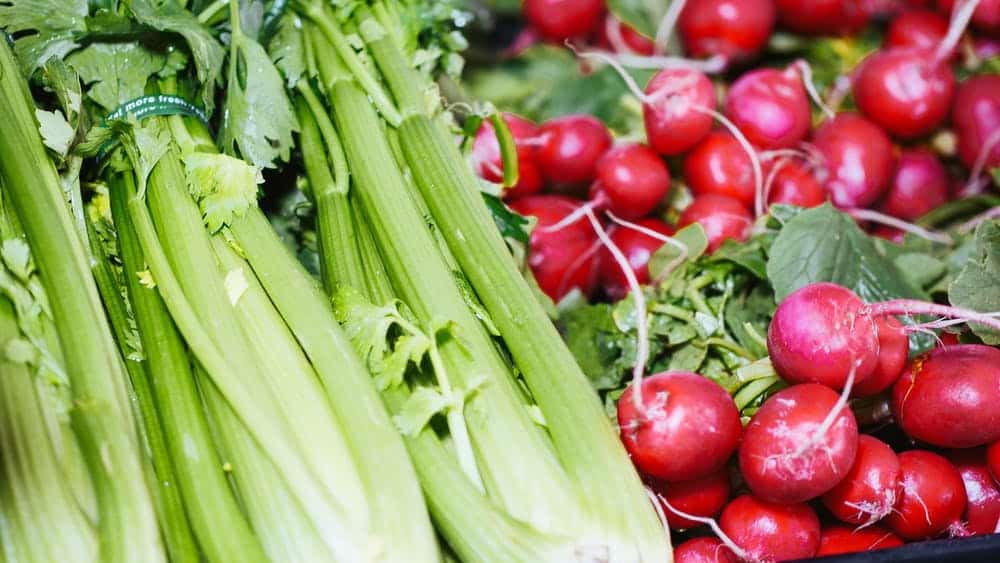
<point>529,484</point>
<point>219,525</point>
<point>127,524</point>
<point>586,443</point>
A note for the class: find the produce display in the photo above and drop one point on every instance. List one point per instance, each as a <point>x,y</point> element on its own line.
<point>497,280</point>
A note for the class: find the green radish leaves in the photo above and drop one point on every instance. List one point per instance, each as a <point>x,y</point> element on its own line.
<point>978,285</point>
<point>643,16</point>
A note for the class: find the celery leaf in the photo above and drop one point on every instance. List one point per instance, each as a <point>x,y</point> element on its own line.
<point>418,410</point>
<point>116,72</point>
<point>224,186</point>
<point>57,134</point>
<point>54,25</point>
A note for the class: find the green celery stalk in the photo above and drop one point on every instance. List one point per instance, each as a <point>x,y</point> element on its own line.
<point>586,442</point>
<point>177,535</point>
<point>219,525</point>
<point>127,524</point>
<point>515,462</point>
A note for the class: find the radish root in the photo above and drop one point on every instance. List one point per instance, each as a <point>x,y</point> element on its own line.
<point>984,155</point>
<point>740,553</point>
<point>960,17</point>
<point>680,246</point>
<point>667,24</point>
<point>805,72</point>
<point>888,220</point>
<point>910,307</point>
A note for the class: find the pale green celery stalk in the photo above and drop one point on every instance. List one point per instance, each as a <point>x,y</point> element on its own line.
<point>475,528</point>
<point>279,426</point>
<point>105,428</point>
<point>400,527</point>
<point>586,442</point>
<point>215,515</point>
<point>40,518</point>
<point>177,535</point>
<point>517,467</point>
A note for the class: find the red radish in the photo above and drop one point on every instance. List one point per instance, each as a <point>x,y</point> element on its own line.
<point>722,217</point>
<point>871,487</point>
<point>703,497</point>
<point>771,532</point>
<point>800,444</point>
<point>837,539</point>
<point>919,185</point>
<point>632,180</point>
<point>893,351</point>
<point>993,460</point>
<point>985,47</point>
<point>824,16</point>
<point>893,235</point>
<point>734,29</point>
<point>905,91</point>
<point>561,260</point>
<point>818,335</point>
<point>771,107</point>
<point>917,29</point>
<point>933,496</point>
<point>687,428</point>
<point>570,148</point>
<point>858,158</point>
<point>673,126</point>
<point>719,165</point>
<point>976,118</point>
<point>703,550</point>
<point>489,163</point>
<point>559,20</point>
<point>982,513</point>
<point>622,38</point>
<point>638,248</point>
<point>949,396</point>
<point>986,18</point>
<point>791,182</point>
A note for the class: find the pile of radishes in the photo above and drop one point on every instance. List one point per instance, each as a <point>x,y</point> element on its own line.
<point>801,478</point>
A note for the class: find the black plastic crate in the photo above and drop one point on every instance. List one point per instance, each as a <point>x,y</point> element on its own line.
<point>977,549</point>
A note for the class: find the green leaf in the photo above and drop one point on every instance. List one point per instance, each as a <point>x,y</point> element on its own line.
<point>977,287</point>
<point>287,49</point>
<point>824,245</point>
<point>63,81</point>
<point>692,237</point>
<point>688,357</point>
<point>595,342</point>
<point>209,55</point>
<point>258,120</point>
<point>750,255</point>
<point>511,225</point>
<point>116,72</point>
<point>922,270</point>
<point>417,411</point>
<point>57,134</point>
<point>55,25</point>
<point>224,186</point>
<point>642,15</point>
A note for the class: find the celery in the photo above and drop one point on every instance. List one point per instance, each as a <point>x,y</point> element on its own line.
<point>127,524</point>
<point>516,464</point>
<point>219,525</point>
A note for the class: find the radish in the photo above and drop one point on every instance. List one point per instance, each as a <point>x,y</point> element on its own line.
<point>893,351</point>
<point>993,460</point>
<point>982,513</point>
<point>686,428</point>
<point>858,158</point>
<point>771,107</point>
<point>673,126</point>
<point>985,18</point>
<point>622,38</point>
<point>559,20</point>
<point>638,247</point>
<point>735,29</point>
<point>702,497</point>
<point>916,29</point>
<point>704,550</point>
<point>891,234</point>
<point>563,260</point>
<point>719,165</point>
<point>837,539</point>
<point>932,499</point>
<point>632,179</point>
<point>801,443</point>
<point>976,118</point>
<point>792,182</point>
<point>919,185</point>
<point>949,396</point>
<point>570,148</point>
<point>908,92</point>
<point>818,335</point>
<point>824,16</point>
<point>771,532</point>
<point>722,217</point>
<point>985,48</point>
<point>871,487</point>
<point>489,163</point>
